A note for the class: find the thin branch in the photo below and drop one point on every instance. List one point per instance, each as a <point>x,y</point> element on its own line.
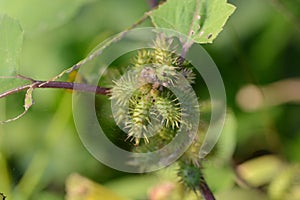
<point>52,83</point>
<point>15,90</point>
<point>24,78</point>
<point>153,3</point>
<point>99,51</point>
<point>59,85</point>
<point>74,86</point>
<point>15,118</point>
<point>28,101</point>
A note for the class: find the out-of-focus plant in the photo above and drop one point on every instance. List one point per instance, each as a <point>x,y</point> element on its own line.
<point>259,45</point>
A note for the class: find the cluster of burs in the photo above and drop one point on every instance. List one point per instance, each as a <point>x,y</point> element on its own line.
<point>148,110</point>
<point>145,105</point>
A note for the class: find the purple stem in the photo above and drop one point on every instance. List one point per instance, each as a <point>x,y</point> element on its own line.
<point>73,86</point>
<point>205,191</point>
<point>153,3</point>
<point>60,85</point>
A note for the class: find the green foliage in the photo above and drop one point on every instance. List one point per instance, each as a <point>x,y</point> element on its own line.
<point>260,176</point>
<point>47,15</point>
<point>202,20</point>
<point>11,41</point>
<point>76,184</point>
<point>245,194</point>
<point>260,46</point>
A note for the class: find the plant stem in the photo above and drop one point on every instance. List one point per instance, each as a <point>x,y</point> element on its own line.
<point>205,191</point>
<point>15,90</point>
<point>60,85</point>
<point>153,3</point>
<point>73,86</point>
<point>99,51</point>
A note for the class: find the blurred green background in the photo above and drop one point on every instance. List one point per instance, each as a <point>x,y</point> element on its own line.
<point>260,45</point>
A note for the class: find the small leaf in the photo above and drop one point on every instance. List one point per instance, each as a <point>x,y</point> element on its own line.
<point>11,40</point>
<point>81,188</point>
<point>28,101</point>
<point>260,171</point>
<point>203,20</point>
<point>282,183</point>
<point>134,187</point>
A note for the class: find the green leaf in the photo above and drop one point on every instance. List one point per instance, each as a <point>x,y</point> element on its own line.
<point>134,187</point>
<point>282,183</point>
<point>261,170</point>
<point>11,40</point>
<point>37,16</point>
<point>245,194</point>
<point>203,20</point>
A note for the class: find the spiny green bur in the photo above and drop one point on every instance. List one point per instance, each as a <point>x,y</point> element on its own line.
<point>154,112</point>
<point>154,71</point>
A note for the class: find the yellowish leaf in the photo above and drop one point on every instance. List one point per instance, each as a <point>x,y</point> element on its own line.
<point>81,188</point>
